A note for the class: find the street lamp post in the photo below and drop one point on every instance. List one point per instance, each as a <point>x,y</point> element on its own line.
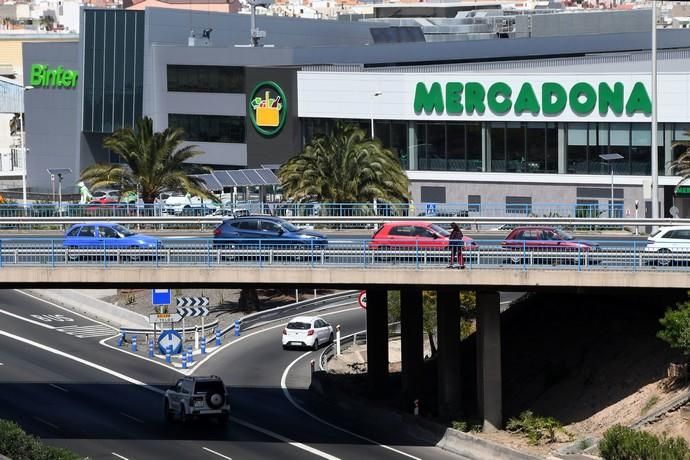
<point>371,110</point>
<point>655,152</point>
<point>609,158</point>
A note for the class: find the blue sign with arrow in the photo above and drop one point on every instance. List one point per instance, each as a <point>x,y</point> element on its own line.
<point>170,339</point>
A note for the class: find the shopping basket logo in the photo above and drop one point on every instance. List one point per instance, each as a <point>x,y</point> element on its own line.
<point>267,108</point>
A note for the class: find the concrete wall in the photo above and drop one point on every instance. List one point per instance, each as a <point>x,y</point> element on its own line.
<point>52,116</point>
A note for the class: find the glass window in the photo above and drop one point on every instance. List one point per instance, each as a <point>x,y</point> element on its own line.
<point>456,146</point>
<point>498,146</point>
<point>205,79</point>
<point>209,128</point>
<point>247,225</point>
<point>515,144</point>
<point>436,138</point>
<point>88,231</point>
<point>402,230</point>
<point>271,227</point>
<point>536,148</point>
<point>551,160</point>
<point>398,142</point>
<point>107,232</point>
<point>74,231</point>
<point>474,146</point>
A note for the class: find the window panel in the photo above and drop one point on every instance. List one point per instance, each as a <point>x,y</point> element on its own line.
<point>456,146</point>
<point>206,79</point>
<point>209,128</point>
<point>474,146</point>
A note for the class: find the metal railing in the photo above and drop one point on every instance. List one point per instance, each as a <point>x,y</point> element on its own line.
<point>341,253</point>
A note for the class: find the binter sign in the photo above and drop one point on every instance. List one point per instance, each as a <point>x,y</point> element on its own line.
<point>546,99</point>
<point>43,76</point>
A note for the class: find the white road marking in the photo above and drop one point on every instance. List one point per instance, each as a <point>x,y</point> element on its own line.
<point>131,417</point>
<point>63,308</point>
<point>299,445</point>
<point>52,425</point>
<point>37,323</point>
<point>119,456</point>
<point>81,332</point>
<point>58,387</point>
<point>158,391</point>
<point>216,453</point>
<point>287,394</point>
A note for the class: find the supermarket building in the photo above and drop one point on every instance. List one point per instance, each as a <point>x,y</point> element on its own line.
<point>501,124</point>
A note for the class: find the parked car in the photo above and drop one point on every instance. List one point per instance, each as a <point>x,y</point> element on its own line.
<point>414,235</point>
<point>188,205</point>
<point>106,236</point>
<point>268,231</point>
<point>307,331</point>
<point>667,240</point>
<point>535,238</point>
<point>106,196</point>
<point>197,397</point>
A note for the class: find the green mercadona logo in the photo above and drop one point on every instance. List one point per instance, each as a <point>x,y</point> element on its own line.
<point>43,76</point>
<point>267,108</point>
<point>549,99</point>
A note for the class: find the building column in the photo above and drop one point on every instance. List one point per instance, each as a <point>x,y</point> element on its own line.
<point>412,345</point>
<point>448,360</point>
<point>377,341</point>
<point>489,385</point>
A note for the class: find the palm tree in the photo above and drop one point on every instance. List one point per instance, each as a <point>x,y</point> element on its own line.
<point>345,167</point>
<point>153,163</point>
<point>681,165</point>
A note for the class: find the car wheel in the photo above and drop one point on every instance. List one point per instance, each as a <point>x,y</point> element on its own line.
<point>316,345</point>
<point>167,412</point>
<point>134,257</point>
<point>71,255</point>
<point>664,257</point>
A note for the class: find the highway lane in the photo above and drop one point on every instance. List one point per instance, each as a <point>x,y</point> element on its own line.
<point>254,368</point>
<point>96,413</point>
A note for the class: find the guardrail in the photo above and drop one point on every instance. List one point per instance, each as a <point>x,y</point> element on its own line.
<point>343,253</point>
<point>142,330</point>
<point>157,222</point>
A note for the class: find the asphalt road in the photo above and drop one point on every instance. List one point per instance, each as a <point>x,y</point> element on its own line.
<point>61,384</point>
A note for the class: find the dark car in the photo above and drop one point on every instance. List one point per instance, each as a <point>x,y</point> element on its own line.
<point>265,231</point>
<point>107,236</point>
<point>558,246</point>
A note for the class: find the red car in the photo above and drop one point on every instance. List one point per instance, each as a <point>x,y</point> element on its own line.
<point>550,239</point>
<point>414,234</point>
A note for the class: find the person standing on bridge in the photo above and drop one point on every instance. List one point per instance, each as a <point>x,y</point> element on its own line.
<point>455,242</point>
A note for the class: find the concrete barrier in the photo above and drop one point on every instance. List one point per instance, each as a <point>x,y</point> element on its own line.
<point>94,308</point>
<point>464,444</point>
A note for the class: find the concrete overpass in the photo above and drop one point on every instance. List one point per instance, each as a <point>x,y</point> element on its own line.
<point>377,282</point>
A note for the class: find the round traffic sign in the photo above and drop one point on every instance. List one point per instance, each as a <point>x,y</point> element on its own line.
<point>362,299</point>
<point>170,338</point>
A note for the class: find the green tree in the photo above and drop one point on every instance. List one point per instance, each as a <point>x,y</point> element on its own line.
<point>47,22</point>
<point>153,163</point>
<point>676,327</point>
<point>681,165</point>
<point>345,167</point>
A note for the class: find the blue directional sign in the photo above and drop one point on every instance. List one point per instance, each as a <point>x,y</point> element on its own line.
<point>161,296</point>
<point>431,209</point>
<point>170,338</point>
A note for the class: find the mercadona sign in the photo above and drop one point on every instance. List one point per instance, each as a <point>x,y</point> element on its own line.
<point>548,98</point>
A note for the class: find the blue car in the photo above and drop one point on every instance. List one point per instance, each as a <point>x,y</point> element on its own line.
<point>107,236</point>
<point>265,231</point>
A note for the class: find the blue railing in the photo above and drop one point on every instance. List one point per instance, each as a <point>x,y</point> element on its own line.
<point>368,254</point>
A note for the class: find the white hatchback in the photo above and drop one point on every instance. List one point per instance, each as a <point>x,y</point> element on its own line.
<point>667,240</point>
<point>307,331</point>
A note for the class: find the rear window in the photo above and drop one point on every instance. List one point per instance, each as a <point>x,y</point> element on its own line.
<point>211,386</point>
<point>74,231</point>
<point>299,325</point>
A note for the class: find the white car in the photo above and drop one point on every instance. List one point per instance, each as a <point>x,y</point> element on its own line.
<point>307,331</point>
<point>667,240</point>
<point>178,204</point>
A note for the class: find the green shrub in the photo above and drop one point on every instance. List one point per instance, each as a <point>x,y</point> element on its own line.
<point>676,327</point>
<point>623,443</point>
<point>467,426</point>
<point>16,444</point>
<point>537,428</point>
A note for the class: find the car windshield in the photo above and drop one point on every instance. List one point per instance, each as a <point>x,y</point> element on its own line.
<point>440,230</point>
<point>288,227</point>
<point>124,231</point>
<point>564,235</point>
<point>211,386</point>
<point>299,325</point>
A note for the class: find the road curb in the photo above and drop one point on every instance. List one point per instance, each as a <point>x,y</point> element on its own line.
<point>94,308</point>
<point>458,442</point>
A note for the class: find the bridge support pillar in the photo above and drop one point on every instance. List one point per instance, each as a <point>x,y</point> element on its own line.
<point>489,385</point>
<point>377,341</point>
<point>448,361</point>
<point>412,346</point>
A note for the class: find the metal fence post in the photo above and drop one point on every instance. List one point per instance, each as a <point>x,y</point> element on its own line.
<point>52,253</point>
<point>364,253</point>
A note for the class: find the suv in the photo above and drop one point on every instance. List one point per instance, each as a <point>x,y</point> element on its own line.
<point>667,240</point>
<point>197,397</point>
